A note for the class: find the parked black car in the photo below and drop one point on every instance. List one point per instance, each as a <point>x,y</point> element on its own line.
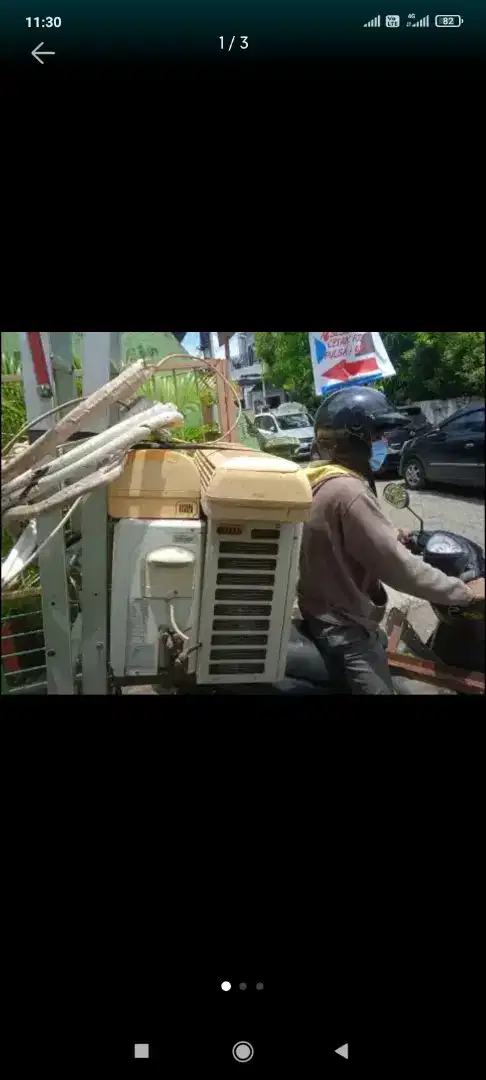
<point>451,453</point>
<point>397,437</point>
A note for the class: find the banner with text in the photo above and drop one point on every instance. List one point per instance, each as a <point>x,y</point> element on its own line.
<point>340,358</point>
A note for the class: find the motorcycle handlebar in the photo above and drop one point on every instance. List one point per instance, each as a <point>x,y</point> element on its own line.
<point>416,542</point>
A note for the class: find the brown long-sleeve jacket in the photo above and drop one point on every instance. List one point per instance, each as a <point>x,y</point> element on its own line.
<point>349,548</point>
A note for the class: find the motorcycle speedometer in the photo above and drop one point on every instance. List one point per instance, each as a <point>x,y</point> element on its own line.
<point>443,544</point>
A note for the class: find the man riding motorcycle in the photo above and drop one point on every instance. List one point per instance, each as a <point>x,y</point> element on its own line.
<point>349,546</point>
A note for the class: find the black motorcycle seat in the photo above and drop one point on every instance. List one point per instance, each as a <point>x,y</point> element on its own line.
<point>304,660</point>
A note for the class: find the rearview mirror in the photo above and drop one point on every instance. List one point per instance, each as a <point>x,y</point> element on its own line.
<point>397,496</point>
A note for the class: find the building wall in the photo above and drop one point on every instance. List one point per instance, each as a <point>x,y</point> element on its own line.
<point>246,369</point>
<point>435,411</point>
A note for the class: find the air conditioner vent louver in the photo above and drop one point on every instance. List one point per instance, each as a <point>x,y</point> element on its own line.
<point>244,594</point>
<point>239,639</point>
<point>247,547</point>
<point>265,534</point>
<point>249,583</point>
<point>240,609</point>
<point>238,654</point>
<point>245,579</point>
<point>237,669</point>
<point>250,648</point>
<point>223,625</point>
<point>247,564</point>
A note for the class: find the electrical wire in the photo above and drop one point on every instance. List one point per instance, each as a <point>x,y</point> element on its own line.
<point>122,388</point>
<point>40,475</point>
<point>42,416</point>
<point>36,553</point>
<point>105,475</point>
<point>84,457</point>
<point>218,374</point>
<point>45,415</point>
<point>107,472</point>
<point>150,367</point>
<point>174,624</point>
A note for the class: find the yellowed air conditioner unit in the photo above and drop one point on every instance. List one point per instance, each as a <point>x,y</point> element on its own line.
<point>255,504</point>
<point>156,484</point>
<point>252,484</point>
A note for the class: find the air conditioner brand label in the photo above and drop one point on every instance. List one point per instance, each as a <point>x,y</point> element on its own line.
<point>184,538</point>
<point>141,654</point>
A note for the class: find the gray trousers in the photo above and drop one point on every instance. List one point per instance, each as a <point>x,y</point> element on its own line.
<point>353,655</point>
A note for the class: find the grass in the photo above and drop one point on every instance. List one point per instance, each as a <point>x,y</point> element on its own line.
<point>187,391</point>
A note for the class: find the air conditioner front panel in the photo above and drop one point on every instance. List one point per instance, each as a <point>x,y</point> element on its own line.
<point>247,597</point>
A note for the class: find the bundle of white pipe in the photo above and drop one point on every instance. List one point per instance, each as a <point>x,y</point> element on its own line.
<point>97,461</point>
<point>82,468</point>
<point>118,390</point>
<point>88,466</point>
<point>88,454</point>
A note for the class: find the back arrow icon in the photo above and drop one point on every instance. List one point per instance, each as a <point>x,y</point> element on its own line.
<point>37,54</point>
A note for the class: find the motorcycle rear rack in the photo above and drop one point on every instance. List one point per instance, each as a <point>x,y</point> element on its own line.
<point>427,670</point>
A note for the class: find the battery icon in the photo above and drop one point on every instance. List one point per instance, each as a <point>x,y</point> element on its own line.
<point>449,20</point>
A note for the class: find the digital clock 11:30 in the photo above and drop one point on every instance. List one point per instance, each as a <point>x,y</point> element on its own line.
<point>47,23</point>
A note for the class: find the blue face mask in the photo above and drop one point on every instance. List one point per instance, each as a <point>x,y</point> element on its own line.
<point>378,454</point>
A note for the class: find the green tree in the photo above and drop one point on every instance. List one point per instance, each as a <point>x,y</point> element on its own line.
<point>434,365</point>
<point>428,365</point>
<point>287,363</point>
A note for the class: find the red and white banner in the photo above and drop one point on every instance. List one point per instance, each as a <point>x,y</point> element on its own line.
<point>339,358</point>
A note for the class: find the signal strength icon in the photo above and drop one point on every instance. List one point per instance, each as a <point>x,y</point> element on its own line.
<point>374,22</point>
<point>422,22</point>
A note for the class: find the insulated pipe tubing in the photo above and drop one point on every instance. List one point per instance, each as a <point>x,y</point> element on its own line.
<point>90,461</point>
<point>59,465</point>
<point>119,389</point>
<point>83,487</point>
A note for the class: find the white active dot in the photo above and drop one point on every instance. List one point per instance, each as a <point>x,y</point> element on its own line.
<point>226,986</point>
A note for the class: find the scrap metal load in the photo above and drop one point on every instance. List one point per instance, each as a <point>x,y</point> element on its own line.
<point>206,540</point>
<point>37,479</point>
<point>213,596</point>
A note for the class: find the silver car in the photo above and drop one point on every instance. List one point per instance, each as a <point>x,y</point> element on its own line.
<point>284,425</point>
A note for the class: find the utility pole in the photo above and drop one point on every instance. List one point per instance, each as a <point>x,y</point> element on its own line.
<point>227,409</point>
<point>205,347</point>
<point>226,403</point>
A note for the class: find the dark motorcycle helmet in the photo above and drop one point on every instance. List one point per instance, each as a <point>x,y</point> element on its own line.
<point>346,423</point>
<point>357,410</point>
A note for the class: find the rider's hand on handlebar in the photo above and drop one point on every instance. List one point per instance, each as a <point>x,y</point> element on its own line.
<point>404,536</point>
<point>477,587</point>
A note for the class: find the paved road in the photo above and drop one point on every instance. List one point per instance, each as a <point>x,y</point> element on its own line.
<point>455,509</point>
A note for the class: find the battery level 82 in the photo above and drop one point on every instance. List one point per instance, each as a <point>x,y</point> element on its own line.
<point>448,20</point>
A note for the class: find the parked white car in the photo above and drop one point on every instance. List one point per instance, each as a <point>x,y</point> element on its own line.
<point>284,423</point>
